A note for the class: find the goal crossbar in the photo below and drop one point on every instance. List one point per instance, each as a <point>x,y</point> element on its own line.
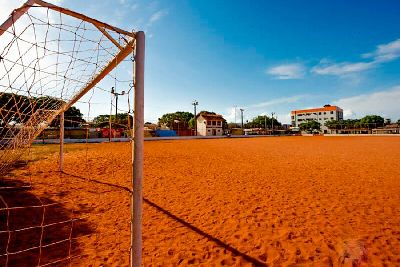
<point>17,13</point>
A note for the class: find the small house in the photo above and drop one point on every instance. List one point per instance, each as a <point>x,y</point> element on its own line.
<point>209,124</point>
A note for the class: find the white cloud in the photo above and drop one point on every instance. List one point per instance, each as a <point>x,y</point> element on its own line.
<point>341,68</point>
<point>230,115</point>
<point>383,53</point>
<point>284,118</point>
<point>287,71</point>
<point>384,103</point>
<point>277,101</point>
<point>7,7</point>
<point>157,16</point>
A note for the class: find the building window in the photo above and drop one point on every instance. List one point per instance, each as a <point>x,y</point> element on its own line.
<point>208,122</point>
<point>214,123</point>
<point>331,112</point>
<point>209,130</point>
<point>331,118</point>
<point>320,113</point>
<point>218,123</point>
<point>324,113</point>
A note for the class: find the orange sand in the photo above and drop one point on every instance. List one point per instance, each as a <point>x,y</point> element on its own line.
<point>321,201</point>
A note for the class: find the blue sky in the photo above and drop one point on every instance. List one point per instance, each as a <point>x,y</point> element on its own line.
<point>263,56</point>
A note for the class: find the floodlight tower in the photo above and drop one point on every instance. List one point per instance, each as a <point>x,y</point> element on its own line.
<point>116,100</point>
<point>195,103</point>
<point>241,112</point>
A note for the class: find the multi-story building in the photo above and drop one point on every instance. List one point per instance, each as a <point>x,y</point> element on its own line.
<point>321,115</point>
<point>209,124</point>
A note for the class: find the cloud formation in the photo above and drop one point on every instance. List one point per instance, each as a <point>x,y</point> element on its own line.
<point>277,101</point>
<point>383,53</point>
<point>287,71</point>
<point>157,16</point>
<point>384,103</point>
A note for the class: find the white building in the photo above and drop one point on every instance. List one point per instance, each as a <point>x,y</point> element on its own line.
<point>321,115</point>
<point>209,124</point>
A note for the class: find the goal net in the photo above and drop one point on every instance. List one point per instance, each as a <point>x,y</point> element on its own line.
<point>50,58</point>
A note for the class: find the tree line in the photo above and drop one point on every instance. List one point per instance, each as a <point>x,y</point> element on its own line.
<point>367,122</point>
<point>187,119</point>
<point>15,109</point>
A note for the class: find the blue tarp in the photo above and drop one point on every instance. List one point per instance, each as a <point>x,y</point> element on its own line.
<point>165,133</point>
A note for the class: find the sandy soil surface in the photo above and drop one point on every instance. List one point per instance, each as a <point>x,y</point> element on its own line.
<point>238,202</point>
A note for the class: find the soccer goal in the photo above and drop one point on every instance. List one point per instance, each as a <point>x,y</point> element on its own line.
<point>51,59</point>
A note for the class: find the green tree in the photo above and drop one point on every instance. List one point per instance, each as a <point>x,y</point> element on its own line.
<point>191,123</point>
<point>261,120</point>
<point>72,118</point>
<point>20,108</point>
<point>310,126</point>
<point>168,119</point>
<point>333,124</point>
<point>121,120</point>
<point>372,121</point>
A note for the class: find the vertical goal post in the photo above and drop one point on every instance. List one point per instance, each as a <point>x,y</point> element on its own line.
<point>134,44</point>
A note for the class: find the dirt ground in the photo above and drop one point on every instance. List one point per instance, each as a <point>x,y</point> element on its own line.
<point>320,201</point>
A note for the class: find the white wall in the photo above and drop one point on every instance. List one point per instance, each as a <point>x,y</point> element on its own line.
<point>207,130</point>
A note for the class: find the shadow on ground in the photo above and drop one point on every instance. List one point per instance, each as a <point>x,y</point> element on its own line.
<point>36,230</point>
<point>217,241</point>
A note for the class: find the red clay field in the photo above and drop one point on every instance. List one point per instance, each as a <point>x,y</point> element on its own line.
<point>285,201</point>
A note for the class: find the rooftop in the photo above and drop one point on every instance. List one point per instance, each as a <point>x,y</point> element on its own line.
<point>324,108</point>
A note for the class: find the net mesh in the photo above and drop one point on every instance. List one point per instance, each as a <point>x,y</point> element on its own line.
<point>48,61</point>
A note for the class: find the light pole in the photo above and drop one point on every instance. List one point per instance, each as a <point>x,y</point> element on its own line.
<point>195,103</point>
<point>272,122</point>
<point>116,100</point>
<point>241,114</point>
<point>235,115</point>
<point>265,124</point>
<point>116,108</point>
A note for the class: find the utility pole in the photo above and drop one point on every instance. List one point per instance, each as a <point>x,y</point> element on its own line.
<point>241,112</point>
<point>116,100</point>
<point>265,124</point>
<point>195,103</point>
<point>272,122</point>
